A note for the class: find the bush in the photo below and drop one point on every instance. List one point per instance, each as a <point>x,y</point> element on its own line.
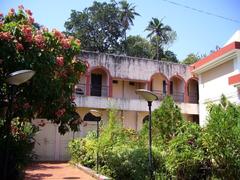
<point>222,139</point>
<point>181,149</point>
<point>21,144</point>
<point>120,154</point>
<point>186,157</point>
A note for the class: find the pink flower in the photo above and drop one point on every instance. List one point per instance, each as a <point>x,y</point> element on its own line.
<point>60,61</point>
<point>39,40</point>
<point>5,36</point>
<point>29,12</point>
<point>20,7</point>
<point>27,33</point>
<point>44,29</point>
<point>1,15</point>
<point>11,12</point>
<point>58,34</point>
<point>65,43</point>
<point>26,106</point>
<point>31,20</point>
<point>19,47</point>
<point>60,112</point>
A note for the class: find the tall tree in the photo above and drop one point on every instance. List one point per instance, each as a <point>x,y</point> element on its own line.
<point>127,15</point>
<point>98,27</point>
<point>162,34</point>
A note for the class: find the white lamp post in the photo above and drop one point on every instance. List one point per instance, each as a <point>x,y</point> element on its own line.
<point>149,97</point>
<point>98,116</point>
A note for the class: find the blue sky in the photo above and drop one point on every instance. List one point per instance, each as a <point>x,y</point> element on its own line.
<point>196,32</point>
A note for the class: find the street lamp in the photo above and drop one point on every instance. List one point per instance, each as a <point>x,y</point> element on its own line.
<point>14,79</point>
<point>98,115</point>
<point>149,97</point>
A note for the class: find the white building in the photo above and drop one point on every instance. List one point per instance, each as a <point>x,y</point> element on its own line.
<point>111,81</point>
<point>218,74</point>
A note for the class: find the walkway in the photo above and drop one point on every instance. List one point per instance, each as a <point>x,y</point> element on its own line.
<point>40,171</point>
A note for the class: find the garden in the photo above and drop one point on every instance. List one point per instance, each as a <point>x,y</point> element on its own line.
<point>181,149</point>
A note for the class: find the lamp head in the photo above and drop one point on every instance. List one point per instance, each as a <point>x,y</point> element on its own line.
<point>19,77</point>
<point>95,113</point>
<point>147,95</point>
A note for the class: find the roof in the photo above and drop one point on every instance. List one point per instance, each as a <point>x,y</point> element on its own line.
<point>234,38</point>
<point>215,58</point>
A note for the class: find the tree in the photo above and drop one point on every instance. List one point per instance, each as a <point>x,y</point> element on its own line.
<point>99,27</point>
<point>161,34</point>
<point>127,15</point>
<point>170,56</point>
<point>51,55</point>
<point>138,47</point>
<point>191,58</point>
<point>166,120</point>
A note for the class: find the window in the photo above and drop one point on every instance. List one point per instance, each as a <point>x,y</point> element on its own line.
<point>115,81</point>
<point>96,87</point>
<point>131,83</point>
<point>164,87</point>
<point>171,87</point>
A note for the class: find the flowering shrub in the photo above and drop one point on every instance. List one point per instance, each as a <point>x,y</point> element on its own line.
<point>25,44</point>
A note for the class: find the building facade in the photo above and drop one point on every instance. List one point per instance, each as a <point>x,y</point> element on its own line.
<point>111,82</point>
<point>219,74</point>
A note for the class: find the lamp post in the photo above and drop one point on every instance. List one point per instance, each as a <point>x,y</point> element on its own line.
<point>149,97</point>
<point>14,79</point>
<point>98,115</point>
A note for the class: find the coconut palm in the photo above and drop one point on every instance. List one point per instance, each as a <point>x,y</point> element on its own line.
<point>127,15</point>
<point>160,32</point>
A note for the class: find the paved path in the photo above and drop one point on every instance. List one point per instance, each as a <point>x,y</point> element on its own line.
<point>39,171</point>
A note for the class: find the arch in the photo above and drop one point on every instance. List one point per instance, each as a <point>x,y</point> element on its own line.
<point>90,117</point>
<point>192,90</point>
<point>159,85</point>
<point>103,89</point>
<point>145,119</point>
<point>178,88</point>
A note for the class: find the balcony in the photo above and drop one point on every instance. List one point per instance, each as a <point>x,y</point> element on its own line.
<point>178,96</point>
<point>127,104</point>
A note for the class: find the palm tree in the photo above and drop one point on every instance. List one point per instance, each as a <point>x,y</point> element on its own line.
<point>159,31</point>
<point>127,15</point>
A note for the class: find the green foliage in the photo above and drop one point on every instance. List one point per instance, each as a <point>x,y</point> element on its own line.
<point>101,26</point>
<point>51,55</point>
<point>191,58</point>
<point>120,155</point>
<point>166,119</point>
<point>138,47</point>
<point>186,157</point>
<point>222,139</point>
<point>181,149</point>
<point>160,34</point>
<point>21,143</point>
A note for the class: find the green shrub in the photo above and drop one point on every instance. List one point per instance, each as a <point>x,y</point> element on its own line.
<point>186,157</point>
<point>222,139</point>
